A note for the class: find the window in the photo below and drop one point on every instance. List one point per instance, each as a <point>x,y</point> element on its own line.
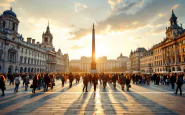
<point>4,24</point>
<point>183,49</point>
<point>46,39</point>
<point>183,41</point>
<point>13,26</point>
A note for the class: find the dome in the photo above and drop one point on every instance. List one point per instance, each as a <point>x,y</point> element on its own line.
<point>10,12</point>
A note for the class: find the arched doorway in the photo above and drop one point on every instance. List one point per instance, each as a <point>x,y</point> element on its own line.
<point>21,69</point>
<point>10,69</point>
<point>37,69</point>
<point>25,69</point>
<point>31,69</point>
<point>28,69</point>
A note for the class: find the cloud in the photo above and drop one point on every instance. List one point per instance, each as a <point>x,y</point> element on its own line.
<point>175,6</point>
<point>79,6</point>
<point>6,3</point>
<point>76,47</point>
<point>148,15</point>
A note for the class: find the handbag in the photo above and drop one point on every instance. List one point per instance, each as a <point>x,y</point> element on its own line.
<point>53,84</point>
<point>129,86</point>
<point>31,86</point>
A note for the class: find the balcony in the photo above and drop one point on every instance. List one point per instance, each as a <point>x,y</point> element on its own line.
<point>51,61</point>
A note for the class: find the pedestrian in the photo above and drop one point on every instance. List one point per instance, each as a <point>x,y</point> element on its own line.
<point>114,79</point>
<point>2,84</point>
<point>39,81</point>
<point>70,79</point>
<point>95,80</point>
<point>35,83</point>
<point>85,82</point>
<point>105,79</point>
<point>122,81</point>
<point>11,77</point>
<point>128,82</point>
<point>179,85</point>
<point>17,82</point>
<point>63,80</point>
<point>46,82</point>
<point>52,81</point>
<point>172,80</point>
<point>27,81</point>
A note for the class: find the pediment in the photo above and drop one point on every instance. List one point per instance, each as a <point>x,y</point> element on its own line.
<point>167,40</point>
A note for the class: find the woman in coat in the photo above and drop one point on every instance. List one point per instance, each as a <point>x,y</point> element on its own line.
<point>2,84</point>
<point>35,83</point>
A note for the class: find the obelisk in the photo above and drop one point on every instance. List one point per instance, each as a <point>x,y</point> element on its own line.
<point>93,63</point>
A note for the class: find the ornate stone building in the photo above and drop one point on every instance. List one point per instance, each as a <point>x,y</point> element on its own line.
<point>169,54</point>
<point>135,58</point>
<point>17,55</point>
<point>102,63</point>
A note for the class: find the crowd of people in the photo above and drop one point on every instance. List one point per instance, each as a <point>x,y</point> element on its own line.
<point>45,80</point>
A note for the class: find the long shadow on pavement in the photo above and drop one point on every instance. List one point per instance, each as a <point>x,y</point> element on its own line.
<point>151,105</point>
<point>78,105</point>
<point>25,98</point>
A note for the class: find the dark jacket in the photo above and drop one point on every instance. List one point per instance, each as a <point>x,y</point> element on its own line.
<point>35,82</point>
<point>47,79</point>
<point>2,83</point>
<point>85,79</point>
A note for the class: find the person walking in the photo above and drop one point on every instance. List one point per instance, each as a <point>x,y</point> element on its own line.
<point>85,82</point>
<point>179,85</point>
<point>122,81</point>
<point>39,81</point>
<point>128,82</point>
<point>114,79</point>
<point>172,80</point>
<point>46,82</point>
<point>70,79</point>
<point>95,80</point>
<point>17,82</point>
<point>27,81</point>
<point>35,83</point>
<point>63,80</point>
<point>11,78</point>
<point>2,84</point>
<point>52,81</point>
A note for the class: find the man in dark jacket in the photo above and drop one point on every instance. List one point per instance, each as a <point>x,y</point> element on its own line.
<point>85,81</point>
<point>172,80</point>
<point>179,85</point>
<point>70,80</point>
<point>114,79</point>
<point>46,81</point>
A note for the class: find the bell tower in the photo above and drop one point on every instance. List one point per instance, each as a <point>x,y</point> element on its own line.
<point>47,38</point>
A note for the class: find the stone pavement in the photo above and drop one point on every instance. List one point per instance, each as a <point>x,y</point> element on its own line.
<point>141,99</point>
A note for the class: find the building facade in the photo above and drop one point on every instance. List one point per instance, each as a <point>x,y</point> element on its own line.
<point>169,54</point>
<point>135,58</point>
<point>17,55</point>
<point>102,63</point>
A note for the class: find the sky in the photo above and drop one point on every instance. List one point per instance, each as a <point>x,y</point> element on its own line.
<point>121,25</point>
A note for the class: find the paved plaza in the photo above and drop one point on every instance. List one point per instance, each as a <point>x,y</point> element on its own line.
<point>141,99</point>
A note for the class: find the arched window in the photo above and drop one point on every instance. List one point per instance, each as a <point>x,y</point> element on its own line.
<point>4,24</point>
<point>13,26</point>
<point>46,39</point>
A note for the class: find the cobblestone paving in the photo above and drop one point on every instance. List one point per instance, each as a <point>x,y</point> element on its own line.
<point>141,99</point>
